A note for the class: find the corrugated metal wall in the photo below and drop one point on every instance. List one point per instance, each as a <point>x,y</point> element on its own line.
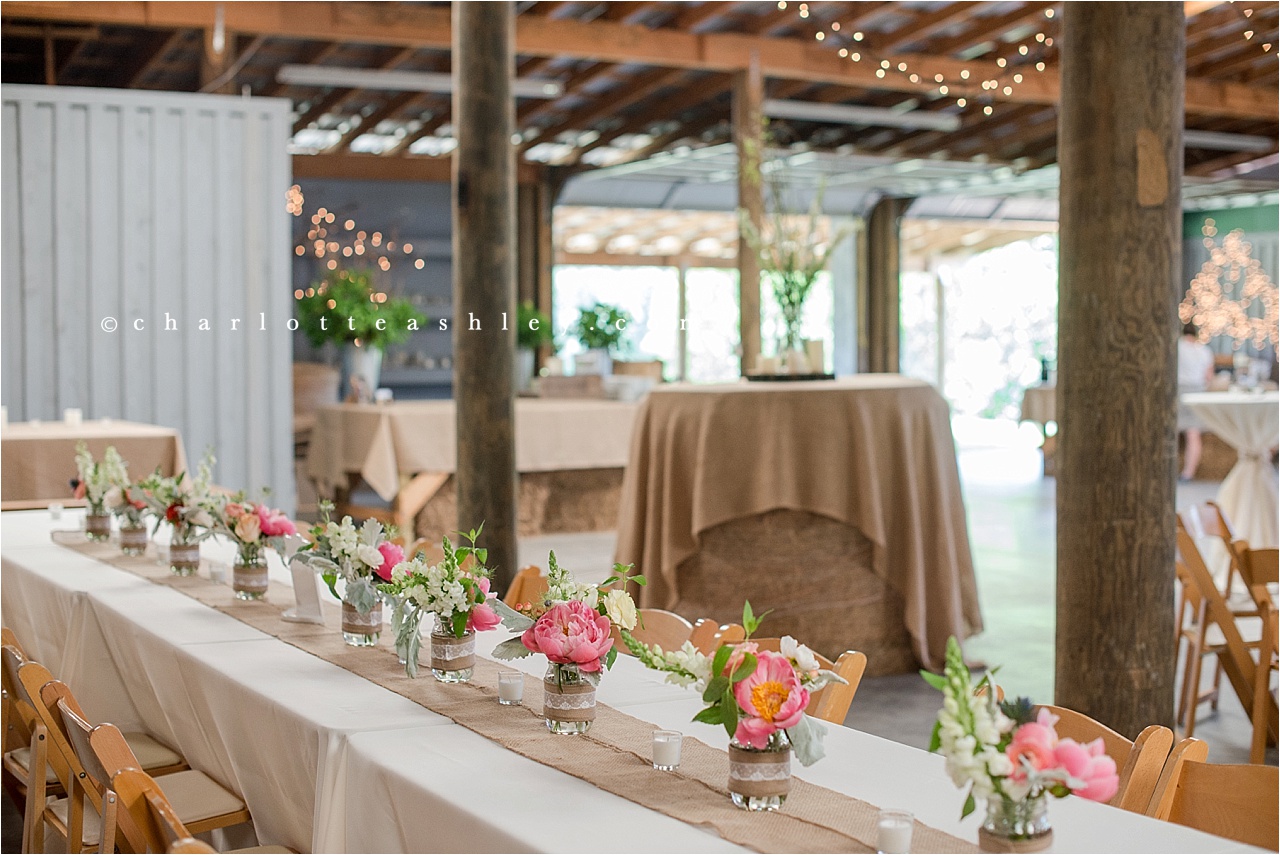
<point>128,218</point>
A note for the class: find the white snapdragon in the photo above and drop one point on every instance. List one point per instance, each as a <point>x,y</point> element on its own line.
<point>801,656</point>
<point>369,555</point>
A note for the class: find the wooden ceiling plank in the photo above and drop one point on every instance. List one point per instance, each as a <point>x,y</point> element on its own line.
<point>150,58</point>
<point>987,29</point>
<point>318,56</point>
<point>665,108</point>
<point>633,90</point>
<point>427,27</point>
<point>369,123</point>
<point>923,26</point>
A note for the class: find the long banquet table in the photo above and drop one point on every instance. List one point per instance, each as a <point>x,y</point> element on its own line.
<point>328,761</point>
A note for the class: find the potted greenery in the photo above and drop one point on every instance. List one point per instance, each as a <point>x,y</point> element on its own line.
<point>599,328</point>
<point>347,310</point>
<point>529,337</point>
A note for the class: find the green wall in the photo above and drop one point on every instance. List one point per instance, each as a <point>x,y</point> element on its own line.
<point>1265,218</point>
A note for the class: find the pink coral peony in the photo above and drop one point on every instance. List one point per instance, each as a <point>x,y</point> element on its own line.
<point>1090,764</point>
<point>391,556</point>
<point>483,617</point>
<point>571,634</point>
<point>1033,742</point>
<point>739,653</point>
<point>274,523</point>
<point>771,698</point>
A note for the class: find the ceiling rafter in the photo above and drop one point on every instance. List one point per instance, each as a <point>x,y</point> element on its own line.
<point>337,96</point>
<point>637,88</point>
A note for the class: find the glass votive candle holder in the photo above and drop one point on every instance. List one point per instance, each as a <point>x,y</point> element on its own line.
<point>55,510</point>
<point>510,688</point>
<point>666,749</point>
<point>893,831</point>
<point>72,416</point>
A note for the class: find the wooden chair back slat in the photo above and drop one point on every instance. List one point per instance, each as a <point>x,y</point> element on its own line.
<point>527,587</point>
<point>666,629</point>
<point>830,703</point>
<point>1233,801</point>
<point>78,731</point>
<point>1138,763</point>
<point>153,825</point>
<point>1268,655</point>
<point>707,635</point>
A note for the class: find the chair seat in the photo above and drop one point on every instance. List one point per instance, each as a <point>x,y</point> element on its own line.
<point>195,796</point>
<point>265,850</point>
<point>1250,632</point>
<point>151,753</point>
<point>92,831</point>
<point>21,758</point>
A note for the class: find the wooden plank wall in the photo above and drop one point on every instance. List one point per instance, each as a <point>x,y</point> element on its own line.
<point>149,206</point>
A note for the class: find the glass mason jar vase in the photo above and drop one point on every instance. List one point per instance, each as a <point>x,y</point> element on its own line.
<point>760,778</point>
<point>361,630</point>
<point>184,553</point>
<point>97,525</point>
<point>249,573</point>
<point>1016,826</point>
<point>568,699</point>
<point>133,539</point>
<point>453,659</point>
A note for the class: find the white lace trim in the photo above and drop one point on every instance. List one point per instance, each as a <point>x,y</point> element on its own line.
<point>580,701</point>
<point>453,649</point>
<point>753,772</point>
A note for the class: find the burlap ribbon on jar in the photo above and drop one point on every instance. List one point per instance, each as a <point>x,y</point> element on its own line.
<point>573,702</point>
<point>361,624</point>
<point>185,555</point>
<point>97,524</point>
<point>759,774</point>
<point>250,578</point>
<point>988,842</point>
<point>133,537</point>
<point>450,653</point>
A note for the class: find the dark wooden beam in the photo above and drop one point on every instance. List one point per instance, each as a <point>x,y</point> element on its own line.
<point>319,56</point>
<point>986,29</point>
<point>389,108</point>
<point>373,167</point>
<point>1120,221</point>
<point>664,109</point>
<point>923,26</point>
<point>484,284</point>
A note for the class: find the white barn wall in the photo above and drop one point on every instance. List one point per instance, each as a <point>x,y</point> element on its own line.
<point>127,205</point>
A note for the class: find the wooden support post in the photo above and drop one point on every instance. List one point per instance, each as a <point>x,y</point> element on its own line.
<point>682,335</point>
<point>1120,153</point>
<point>878,299</point>
<point>214,63</point>
<point>748,136</point>
<point>484,287</point>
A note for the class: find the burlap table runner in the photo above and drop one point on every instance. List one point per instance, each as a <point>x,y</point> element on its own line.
<point>614,756</point>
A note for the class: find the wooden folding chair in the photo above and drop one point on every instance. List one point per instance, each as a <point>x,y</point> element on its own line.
<point>666,629</point>
<point>148,821</point>
<point>1232,801</point>
<point>24,735</point>
<point>527,587</point>
<point>1268,659</point>
<point>1139,763</point>
<point>708,635</point>
<point>831,702</point>
<point>1234,654</point>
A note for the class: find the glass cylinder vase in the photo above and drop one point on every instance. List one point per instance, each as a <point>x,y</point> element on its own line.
<point>184,554</point>
<point>760,778</point>
<point>249,574</point>
<point>133,539</point>
<point>1016,826</point>
<point>568,699</point>
<point>97,526</point>
<point>361,629</point>
<point>453,659</point>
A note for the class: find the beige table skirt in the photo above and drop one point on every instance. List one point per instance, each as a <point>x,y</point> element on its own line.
<point>873,452</point>
<point>39,459</point>
<point>384,442</point>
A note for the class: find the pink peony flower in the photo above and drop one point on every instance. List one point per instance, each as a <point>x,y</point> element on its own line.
<point>771,698</point>
<point>274,523</point>
<point>391,556</point>
<point>740,653</point>
<point>232,511</point>
<point>1034,742</point>
<point>483,617</point>
<point>571,634</point>
<point>1089,763</point>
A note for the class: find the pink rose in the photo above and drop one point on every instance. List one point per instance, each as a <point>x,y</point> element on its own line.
<point>232,511</point>
<point>483,618</point>
<point>274,523</point>
<point>391,556</point>
<point>571,634</point>
<point>1090,764</point>
<point>771,698</point>
<point>248,529</point>
<point>1035,743</point>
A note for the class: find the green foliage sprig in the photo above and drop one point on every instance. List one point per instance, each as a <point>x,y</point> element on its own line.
<point>345,307</point>
<point>597,326</point>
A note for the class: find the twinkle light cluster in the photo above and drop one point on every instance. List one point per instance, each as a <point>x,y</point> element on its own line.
<point>1025,59</point>
<point>1231,269</point>
<point>328,240</point>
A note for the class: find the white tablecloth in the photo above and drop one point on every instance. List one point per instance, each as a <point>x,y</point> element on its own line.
<point>327,761</point>
<point>1251,423</point>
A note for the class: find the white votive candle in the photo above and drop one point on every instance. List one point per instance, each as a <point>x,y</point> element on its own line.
<point>4,415</point>
<point>510,688</point>
<point>55,510</point>
<point>666,749</point>
<point>72,416</point>
<point>893,831</point>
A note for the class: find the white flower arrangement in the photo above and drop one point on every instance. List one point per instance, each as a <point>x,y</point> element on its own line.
<point>357,556</point>
<point>188,504</point>
<point>103,482</point>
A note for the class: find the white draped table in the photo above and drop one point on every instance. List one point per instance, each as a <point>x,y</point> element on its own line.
<point>1250,422</point>
<point>329,762</point>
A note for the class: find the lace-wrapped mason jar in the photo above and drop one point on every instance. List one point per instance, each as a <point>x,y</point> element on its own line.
<point>249,573</point>
<point>97,525</point>
<point>760,778</point>
<point>133,539</point>
<point>184,552</point>
<point>568,699</point>
<point>361,629</point>
<point>453,659</point>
